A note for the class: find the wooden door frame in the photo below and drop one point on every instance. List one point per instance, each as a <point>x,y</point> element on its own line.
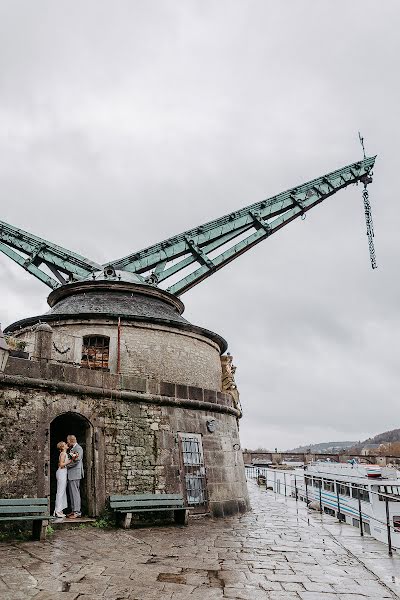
<point>95,467</point>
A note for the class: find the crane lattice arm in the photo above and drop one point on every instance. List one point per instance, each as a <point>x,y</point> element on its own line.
<point>213,245</point>
<point>32,254</point>
<point>186,259</point>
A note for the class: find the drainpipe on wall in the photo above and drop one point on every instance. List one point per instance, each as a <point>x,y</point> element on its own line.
<point>119,347</point>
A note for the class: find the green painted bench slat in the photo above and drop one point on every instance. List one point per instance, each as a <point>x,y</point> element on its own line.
<point>147,503</point>
<point>127,497</point>
<point>27,509</point>
<point>23,501</point>
<point>22,510</point>
<point>129,504</point>
<point>128,510</point>
<point>28,518</point>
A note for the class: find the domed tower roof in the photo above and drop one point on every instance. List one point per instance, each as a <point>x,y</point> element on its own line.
<point>110,297</point>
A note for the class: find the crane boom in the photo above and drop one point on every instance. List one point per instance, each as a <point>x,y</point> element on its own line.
<point>235,233</point>
<point>188,258</point>
<point>66,266</point>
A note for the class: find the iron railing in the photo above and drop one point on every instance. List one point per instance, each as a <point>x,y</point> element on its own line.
<point>262,472</point>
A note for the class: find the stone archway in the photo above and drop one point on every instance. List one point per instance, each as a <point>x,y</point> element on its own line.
<point>78,425</point>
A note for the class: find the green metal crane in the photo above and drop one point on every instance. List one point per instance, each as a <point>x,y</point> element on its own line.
<point>193,255</point>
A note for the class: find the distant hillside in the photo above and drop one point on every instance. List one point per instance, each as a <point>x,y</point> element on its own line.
<point>386,436</point>
<point>324,447</point>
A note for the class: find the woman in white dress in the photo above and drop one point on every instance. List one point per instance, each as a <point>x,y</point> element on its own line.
<point>61,475</point>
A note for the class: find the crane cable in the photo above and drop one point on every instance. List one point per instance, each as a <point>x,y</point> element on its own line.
<point>368,213</point>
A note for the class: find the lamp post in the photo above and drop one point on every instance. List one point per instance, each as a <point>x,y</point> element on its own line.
<point>4,352</point>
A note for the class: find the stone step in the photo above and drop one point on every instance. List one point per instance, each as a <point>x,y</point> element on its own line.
<point>66,523</point>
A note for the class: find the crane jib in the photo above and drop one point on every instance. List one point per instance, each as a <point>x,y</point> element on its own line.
<point>184,260</point>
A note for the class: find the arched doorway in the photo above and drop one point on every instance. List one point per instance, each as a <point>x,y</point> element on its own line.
<point>76,424</point>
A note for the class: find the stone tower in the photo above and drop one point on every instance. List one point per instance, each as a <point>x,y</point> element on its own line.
<point>116,363</point>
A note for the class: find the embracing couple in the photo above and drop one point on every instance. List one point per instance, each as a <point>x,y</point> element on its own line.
<point>69,475</point>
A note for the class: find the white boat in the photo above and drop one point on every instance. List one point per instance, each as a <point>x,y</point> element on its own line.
<point>366,496</point>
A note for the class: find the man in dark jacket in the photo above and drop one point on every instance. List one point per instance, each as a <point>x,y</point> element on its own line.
<point>74,476</point>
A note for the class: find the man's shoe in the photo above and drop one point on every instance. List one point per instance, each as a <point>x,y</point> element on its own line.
<point>72,516</point>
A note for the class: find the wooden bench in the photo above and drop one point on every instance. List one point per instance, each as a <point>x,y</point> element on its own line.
<point>140,503</point>
<point>27,509</point>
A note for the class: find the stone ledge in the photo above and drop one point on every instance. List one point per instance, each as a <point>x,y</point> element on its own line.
<point>114,394</point>
<point>54,373</point>
<point>74,374</point>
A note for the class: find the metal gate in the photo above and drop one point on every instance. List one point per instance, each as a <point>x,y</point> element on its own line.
<point>193,471</point>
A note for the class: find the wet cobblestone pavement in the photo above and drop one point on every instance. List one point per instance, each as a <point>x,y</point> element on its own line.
<point>279,551</point>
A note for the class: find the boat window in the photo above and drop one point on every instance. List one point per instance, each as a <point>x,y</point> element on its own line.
<point>383,489</point>
<point>367,528</point>
<point>329,511</point>
<point>329,485</point>
<point>396,523</point>
<point>356,522</point>
<point>308,480</point>
<point>341,517</point>
<point>392,489</point>
<point>343,489</point>
<point>360,491</point>
<point>317,482</point>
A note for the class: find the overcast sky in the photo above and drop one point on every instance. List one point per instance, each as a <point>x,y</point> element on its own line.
<point>122,123</point>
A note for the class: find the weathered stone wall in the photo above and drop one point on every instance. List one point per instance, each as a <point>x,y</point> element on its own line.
<point>153,351</point>
<point>18,444</point>
<point>135,443</point>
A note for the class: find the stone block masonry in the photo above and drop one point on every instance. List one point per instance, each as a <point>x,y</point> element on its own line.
<point>135,440</point>
<point>150,351</point>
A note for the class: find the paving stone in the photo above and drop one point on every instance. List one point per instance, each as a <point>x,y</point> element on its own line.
<point>293,587</point>
<point>311,586</point>
<point>318,596</point>
<point>287,577</point>
<point>246,594</point>
<point>283,596</point>
<point>271,586</point>
<point>358,597</point>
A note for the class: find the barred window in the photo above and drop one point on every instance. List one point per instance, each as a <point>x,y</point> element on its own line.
<point>95,352</point>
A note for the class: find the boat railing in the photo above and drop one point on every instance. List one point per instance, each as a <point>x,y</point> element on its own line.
<point>292,490</point>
